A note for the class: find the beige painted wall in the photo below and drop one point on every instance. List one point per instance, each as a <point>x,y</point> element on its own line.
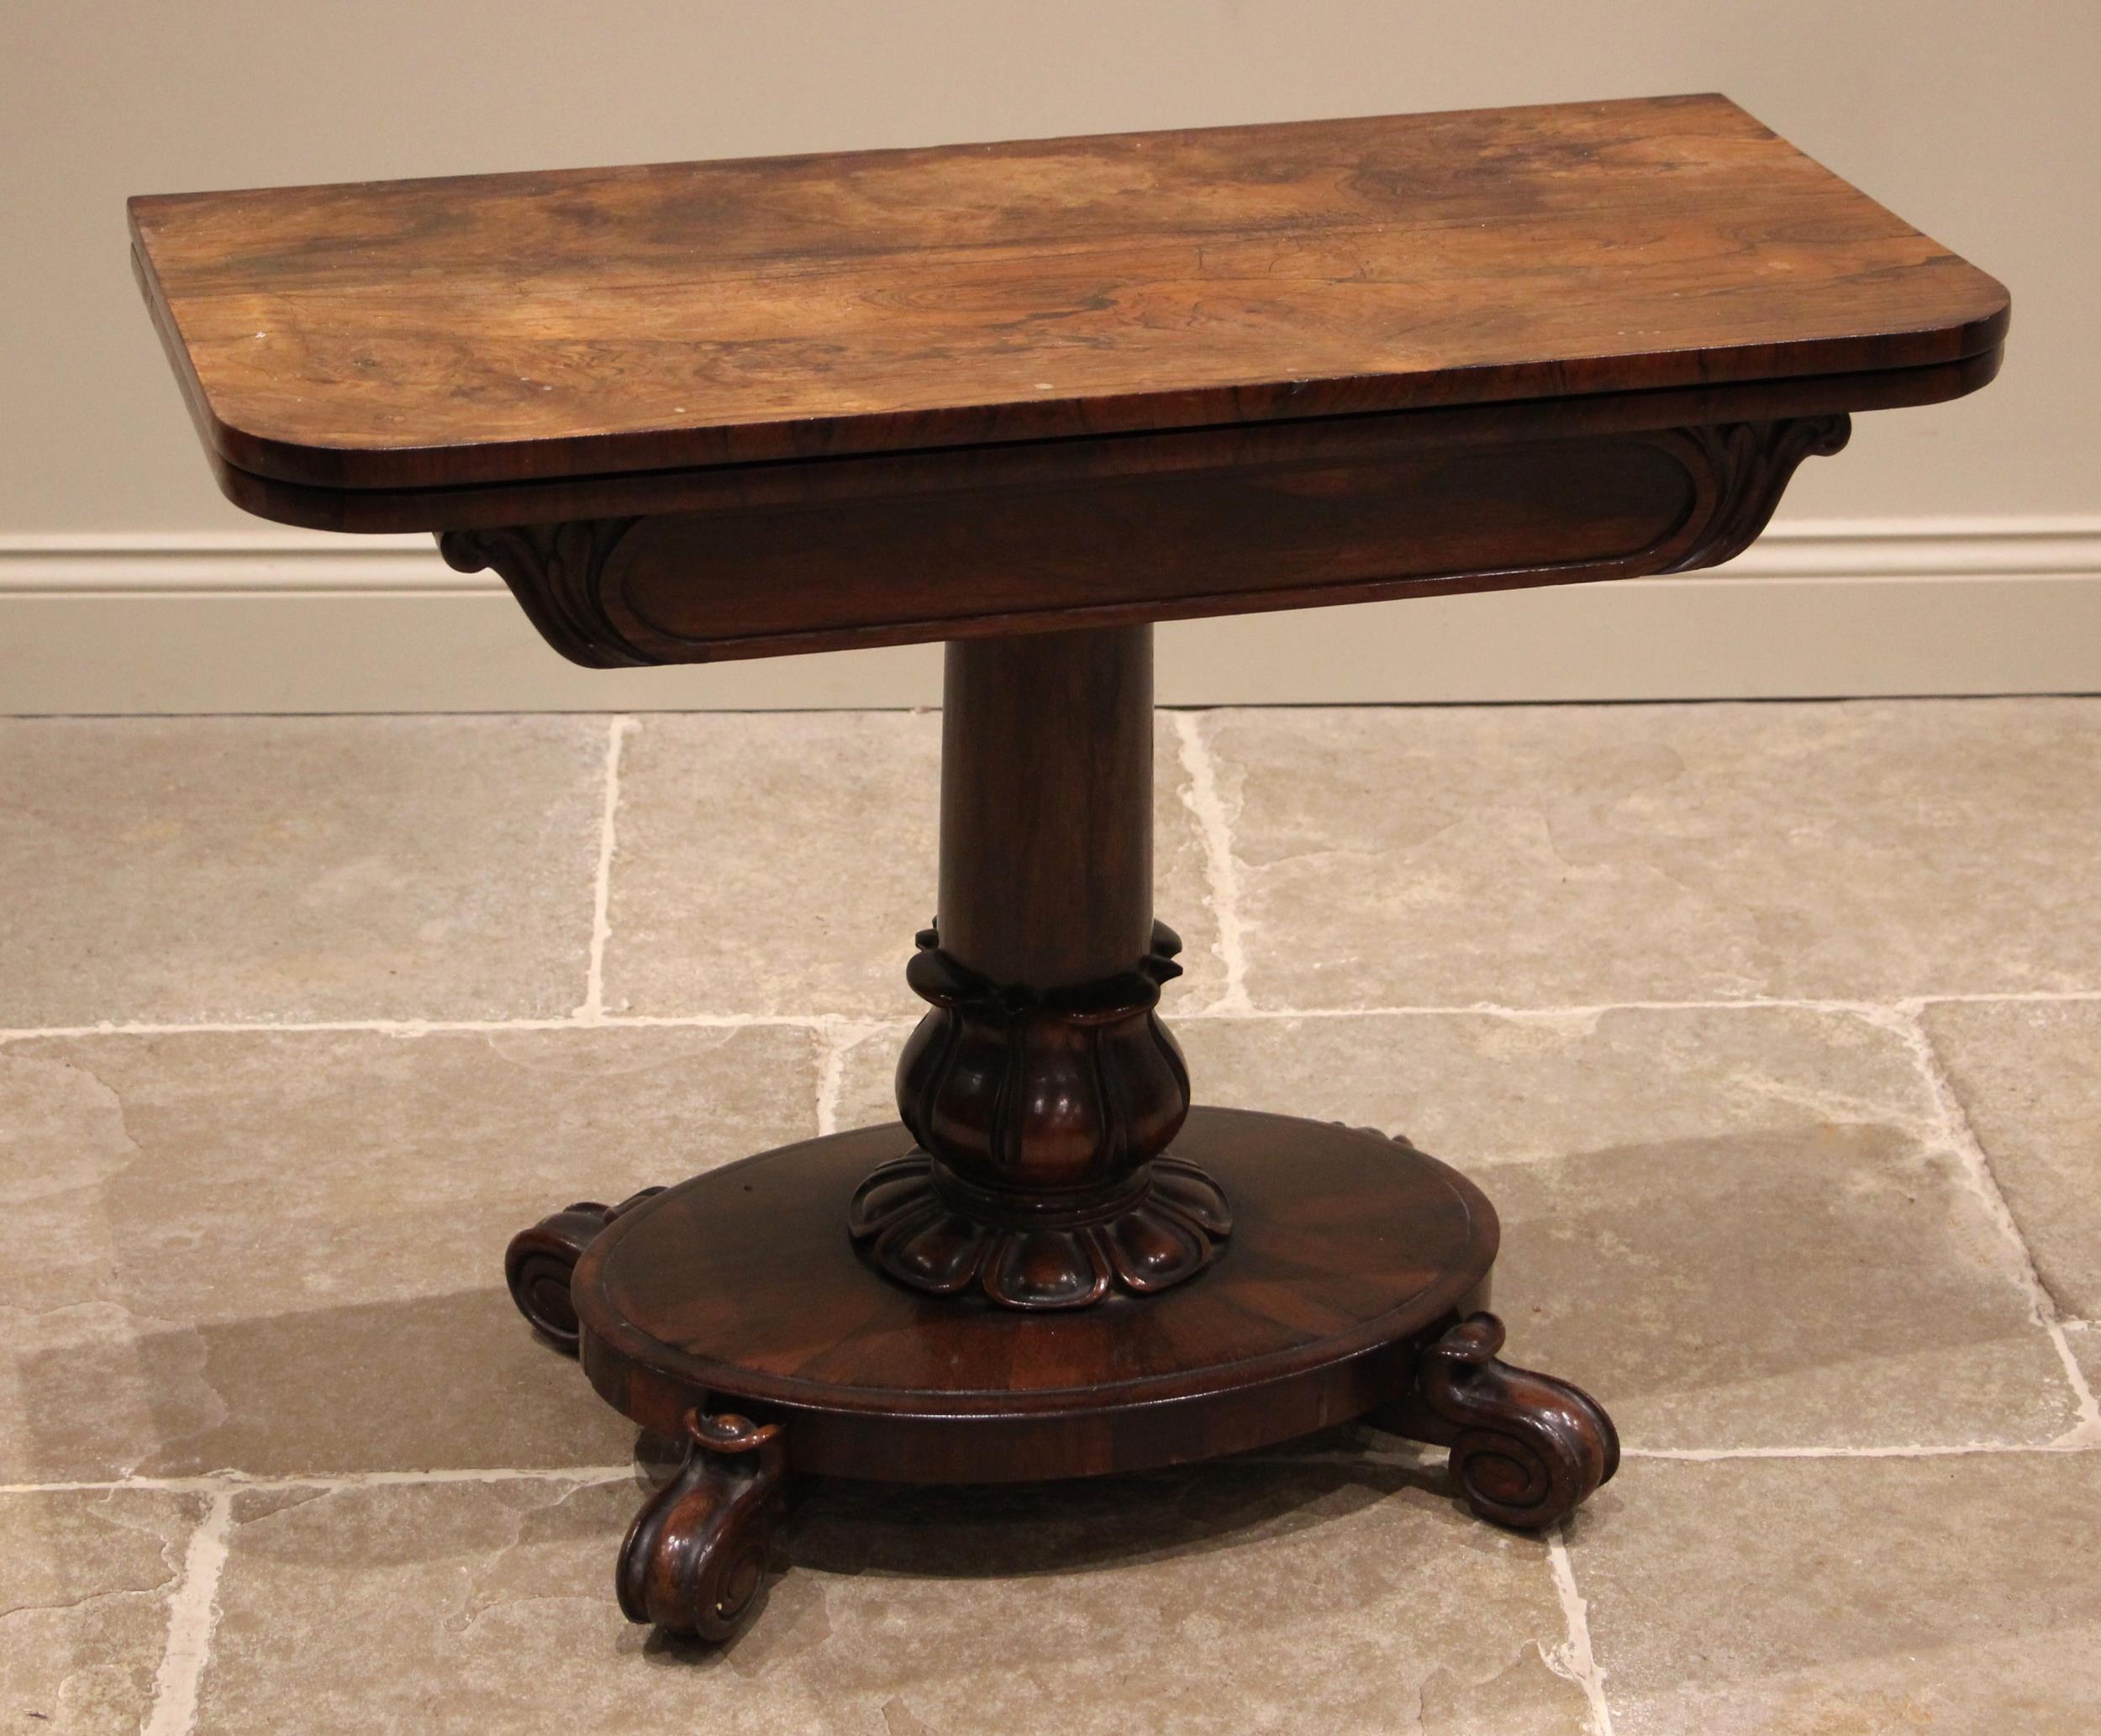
<point>1975,122</point>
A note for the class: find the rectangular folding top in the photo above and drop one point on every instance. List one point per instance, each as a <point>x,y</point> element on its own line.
<point>489,330</point>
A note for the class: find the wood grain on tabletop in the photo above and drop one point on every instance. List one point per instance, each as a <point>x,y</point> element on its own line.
<point>489,328</point>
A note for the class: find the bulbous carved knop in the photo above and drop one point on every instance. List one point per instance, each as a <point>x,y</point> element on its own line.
<point>1042,1120</point>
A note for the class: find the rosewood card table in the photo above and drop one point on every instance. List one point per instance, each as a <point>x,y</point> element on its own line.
<point>1028,399</point>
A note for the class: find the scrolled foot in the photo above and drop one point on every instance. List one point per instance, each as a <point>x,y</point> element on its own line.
<point>1526,1449</point>
<point>694,1561</point>
<point>540,1262</point>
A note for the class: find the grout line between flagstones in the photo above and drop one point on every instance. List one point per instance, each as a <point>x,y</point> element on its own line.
<point>230,1482</point>
<point>593,1006</point>
<point>2061,1447</point>
<point>1977,1169</point>
<point>840,1041</point>
<point>193,1615</point>
<point>1880,1011</point>
<point>1200,796</point>
<point>1578,1661</point>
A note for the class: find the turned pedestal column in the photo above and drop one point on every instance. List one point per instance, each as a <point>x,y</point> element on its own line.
<point>1043,1090</point>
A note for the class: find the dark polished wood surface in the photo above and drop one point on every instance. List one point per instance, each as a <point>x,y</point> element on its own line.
<point>1346,1246</point>
<point>1226,522</point>
<point>1046,871</point>
<point>497,329</point>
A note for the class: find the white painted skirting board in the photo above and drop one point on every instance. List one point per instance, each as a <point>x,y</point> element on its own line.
<point>283,621</point>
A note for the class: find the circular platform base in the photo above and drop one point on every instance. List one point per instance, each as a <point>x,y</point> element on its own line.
<point>741,1291</point>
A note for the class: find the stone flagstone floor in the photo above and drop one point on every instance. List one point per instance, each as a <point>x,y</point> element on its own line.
<point>1774,1031</point>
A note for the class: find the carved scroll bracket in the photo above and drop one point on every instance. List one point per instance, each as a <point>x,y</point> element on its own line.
<point>1742,468</point>
<point>555,571</point>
